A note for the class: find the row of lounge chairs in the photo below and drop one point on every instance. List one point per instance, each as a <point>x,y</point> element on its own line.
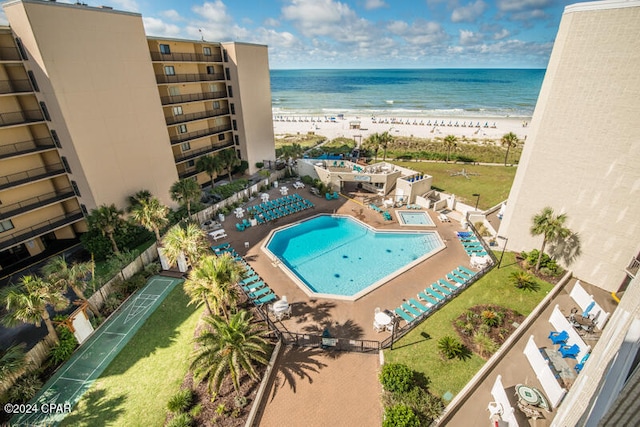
<point>471,244</point>
<point>385,214</point>
<point>434,295</point>
<point>255,288</point>
<point>278,208</point>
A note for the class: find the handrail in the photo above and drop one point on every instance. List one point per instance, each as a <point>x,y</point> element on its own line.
<point>182,137</point>
<point>9,54</point>
<point>178,99</point>
<point>17,117</point>
<point>182,118</point>
<point>13,86</point>
<point>31,174</point>
<point>191,77</point>
<point>204,150</point>
<point>33,202</point>
<point>185,56</point>
<point>40,228</point>
<point>24,147</point>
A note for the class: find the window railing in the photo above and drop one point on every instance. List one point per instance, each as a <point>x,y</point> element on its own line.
<point>179,99</point>
<point>39,229</point>
<point>186,78</point>
<point>176,139</point>
<point>13,209</point>
<point>182,118</point>
<point>18,117</point>
<point>9,54</point>
<point>192,154</point>
<point>25,147</point>
<point>183,56</point>
<point>189,174</point>
<point>15,86</point>
<point>633,267</point>
<point>31,175</point>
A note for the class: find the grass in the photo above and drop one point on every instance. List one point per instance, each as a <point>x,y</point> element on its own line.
<point>305,141</point>
<point>491,182</point>
<point>421,354</point>
<point>136,386</point>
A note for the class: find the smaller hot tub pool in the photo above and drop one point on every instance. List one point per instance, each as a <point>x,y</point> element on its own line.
<point>414,218</point>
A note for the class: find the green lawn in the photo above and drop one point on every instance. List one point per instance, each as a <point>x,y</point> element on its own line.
<point>421,354</point>
<point>491,182</point>
<point>305,141</point>
<point>135,387</point>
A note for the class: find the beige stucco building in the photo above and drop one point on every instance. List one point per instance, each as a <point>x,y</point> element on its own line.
<point>92,111</point>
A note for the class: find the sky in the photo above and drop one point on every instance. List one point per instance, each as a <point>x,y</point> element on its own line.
<point>353,34</point>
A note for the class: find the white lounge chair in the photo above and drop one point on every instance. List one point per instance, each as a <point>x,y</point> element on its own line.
<point>298,185</point>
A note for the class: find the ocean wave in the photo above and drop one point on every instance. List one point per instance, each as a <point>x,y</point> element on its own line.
<point>405,112</point>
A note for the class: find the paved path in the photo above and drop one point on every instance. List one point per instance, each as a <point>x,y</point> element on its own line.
<point>75,377</point>
<point>312,387</point>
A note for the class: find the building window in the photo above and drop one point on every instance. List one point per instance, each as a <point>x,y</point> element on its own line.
<point>233,108</point>
<point>230,91</point>
<point>239,154</point>
<point>191,163</point>
<point>45,111</point>
<point>216,105</point>
<point>182,129</point>
<point>227,73</point>
<point>225,55</point>
<point>84,209</point>
<point>23,53</point>
<point>65,163</point>
<point>33,81</point>
<point>213,87</point>
<point>185,146</point>
<point>165,49</point>
<point>236,139</point>
<point>76,190</point>
<point>210,69</point>
<point>56,140</point>
<point>177,111</point>
<point>235,124</point>
<point>169,70</point>
<point>6,225</point>
<point>221,137</point>
<point>206,51</point>
<point>174,91</point>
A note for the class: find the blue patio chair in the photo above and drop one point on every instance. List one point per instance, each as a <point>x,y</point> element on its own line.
<point>418,305</point>
<point>466,270</point>
<point>400,312</point>
<point>434,294</point>
<point>265,299</point>
<point>260,292</point>
<point>327,196</point>
<point>455,279</point>
<point>427,298</point>
<point>569,351</point>
<point>440,289</point>
<point>239,227</point>
<point>246,223</point>
<point>559,337</point>
<point>252,287</point>
<point>580,365</point>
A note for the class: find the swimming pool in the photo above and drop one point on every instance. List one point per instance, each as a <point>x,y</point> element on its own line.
<point>420,218</point>
<point>337,256</point>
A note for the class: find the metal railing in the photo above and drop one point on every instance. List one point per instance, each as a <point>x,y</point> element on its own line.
<point>31,175</point>
<point>202,151</point>
<point>186,78</point>
<point>7,211</point>
<point>39,229</point>
<point>486,247</point>
<point>15,86</point>
<point>189,174</point>
<point>18,117</point>
<point>330,343</point>
<point>9,54</point>
<point>183,56</point>
<point>179,99</point>
<point>25,147</point>
<point>183,137</point>
<point>182,118</point>
<point>633,267</point>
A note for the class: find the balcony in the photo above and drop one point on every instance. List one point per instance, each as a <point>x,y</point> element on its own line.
<point>40,229</point>
<point>189,174</point>
<point>182,118</point>
<point>31,175</point>
<point>35,202</point>
<point>184,57</point>
<point>184,137</point>
<point>15,86</point>
<point>192,154</point>
<point>181,99</point>
<point>21,117</point>
<point>632,268</point>
<point>9,54</point>
<point>26,147</point>
<point>187,78</point>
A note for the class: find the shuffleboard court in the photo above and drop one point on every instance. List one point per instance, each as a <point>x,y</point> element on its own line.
<point>65,388</point>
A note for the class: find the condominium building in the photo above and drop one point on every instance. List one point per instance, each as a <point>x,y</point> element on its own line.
<point>93,110</point>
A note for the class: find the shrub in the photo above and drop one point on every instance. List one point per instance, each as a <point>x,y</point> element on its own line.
<point>491,318</point>
<point>523,280</point>
<point>259,165</point>
<point>196,410</point>
<point>112,302</point>
<point>181,401</point>
<point>240,401</point>
<point>181,420</point>
<point>485,344</point>
<point>396,378</point>
<point>25,388</point>
<point>400,416</point>
<point>152,269</point>
<point>450,348</point>
<point>63,350</point>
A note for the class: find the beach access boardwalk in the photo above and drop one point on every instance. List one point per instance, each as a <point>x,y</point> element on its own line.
<point>65,388</point>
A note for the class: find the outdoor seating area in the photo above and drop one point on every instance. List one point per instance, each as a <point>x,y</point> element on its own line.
<point>443,218</point>
<point>331,196</point>
<point>385,214</point>
<point>590,308</point>
<point>298,185</point>
<point>281,309</point>
<point>277,208</point>
<point>218,234</point>
<point>471,245</point>
<point>382,320</point>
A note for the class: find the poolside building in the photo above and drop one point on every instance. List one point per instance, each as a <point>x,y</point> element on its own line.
<point>93,110</point>
<point>581,158</point>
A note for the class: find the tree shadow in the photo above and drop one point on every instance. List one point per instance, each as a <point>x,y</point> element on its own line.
<point>297,364</point>
<point>98,409</point>
<point>312,312</point>
<point>348,329</point>
<point>567,249</point>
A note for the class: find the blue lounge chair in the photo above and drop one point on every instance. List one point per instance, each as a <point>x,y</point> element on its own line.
<point>434,294</point>
<point>252,287</point>
<point>327,196</point>
<point>580,365</point>
<point>427,298</point>
<point>265,299</point>
<point>558,337</point>
<point>464,233</point>
<point>260,292</point>
<point>220,248</point>
<point>246,223</point>
<point>440,289</point>
<point>248,280</point>
<point>418,305</point>
<point>464,269</point>
<point>451,286</point>
<point>400,312</point>
<point>569,351</point>
<point>239,227</point>
<point>335,195</point>
<point>455,279</point>
<point>407,307</point>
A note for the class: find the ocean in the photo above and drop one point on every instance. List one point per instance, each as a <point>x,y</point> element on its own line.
<point>407,92</point>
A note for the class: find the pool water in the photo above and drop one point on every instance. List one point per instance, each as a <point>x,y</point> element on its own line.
<point>340,256</point>
<point>414,218</point>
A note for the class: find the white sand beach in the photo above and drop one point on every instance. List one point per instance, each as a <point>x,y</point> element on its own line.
<point>491,128</point>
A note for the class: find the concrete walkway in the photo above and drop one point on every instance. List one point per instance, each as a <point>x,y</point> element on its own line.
<point>312,387</point>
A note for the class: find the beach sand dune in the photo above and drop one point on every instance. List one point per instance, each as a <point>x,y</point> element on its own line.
<point>491,128</point>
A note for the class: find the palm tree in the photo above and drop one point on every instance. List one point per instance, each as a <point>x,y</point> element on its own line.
<point>12,361</point>
<point>373,143</point>
<point>27,302</point>
<point>385,139</point>
<point>550,226</point>
<point>229,160</point>
<point>450,141</point>
<point>187,239</point>
<point>208,164</point>
<point>64,276</point>
<point>228,349</point>
<point>509,140</point>
<point>138,197</point>
<point>185,191</point>
<point>107,219</point>
<point>151,214</point>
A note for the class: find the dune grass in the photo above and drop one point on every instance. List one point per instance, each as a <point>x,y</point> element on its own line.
<point>305,141</point>
<point>136,386</point>
<point>421,353</point>
<point>491,182</point>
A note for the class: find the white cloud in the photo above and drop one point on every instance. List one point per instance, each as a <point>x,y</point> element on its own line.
<point>468,13</point>
<point>374,4</point>
<point>504,33</point>
<point>319,17</point>
<point>172,15</point>
<point>521,5</point>
<point>271,22</point>
<point>126,5</point>
<point>157,27</point>
<point>420,32</point>
<point>468,38</point>
<point>215,13</point>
